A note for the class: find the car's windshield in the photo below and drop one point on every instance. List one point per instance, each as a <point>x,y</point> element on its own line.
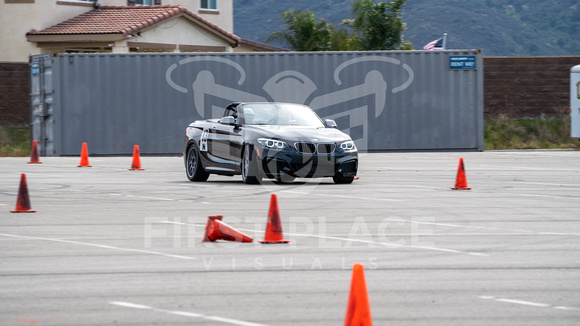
<point>283,114</point>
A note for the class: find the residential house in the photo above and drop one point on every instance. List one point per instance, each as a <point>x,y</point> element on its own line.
<point>107,26</point>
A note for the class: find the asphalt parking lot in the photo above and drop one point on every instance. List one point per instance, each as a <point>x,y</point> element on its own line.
<point>112,246</point>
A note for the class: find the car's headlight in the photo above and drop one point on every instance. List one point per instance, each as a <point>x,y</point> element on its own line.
<point>348,146</point>
<point>272,143</point>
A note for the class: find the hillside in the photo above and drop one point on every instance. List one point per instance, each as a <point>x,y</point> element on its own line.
<point>499,27</point>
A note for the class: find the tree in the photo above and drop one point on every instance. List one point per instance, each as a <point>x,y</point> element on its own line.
<point>377,26</point>
<point>304,32</point>
<point>343,40</point>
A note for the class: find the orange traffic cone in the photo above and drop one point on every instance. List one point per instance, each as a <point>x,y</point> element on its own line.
<point>84,156</point>
<point>215,229</point>
<point>23,202</point>
<point>209,227</point>
<point>136,159</point>
<point>274,226</point>
<point>358,309</point>
<point>34,153</point>
<point>461,181</point>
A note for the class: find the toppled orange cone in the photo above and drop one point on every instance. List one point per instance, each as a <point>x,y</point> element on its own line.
<point>274,226</point>
<point>358,309</point>
<point>23,202</point>
<point>136,159</point>
<point>84,156</point>
<point>461,180</point>
<point>215,229</point>
<point>34,153</point>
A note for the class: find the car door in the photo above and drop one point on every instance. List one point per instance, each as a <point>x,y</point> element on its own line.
<point>225,146</point>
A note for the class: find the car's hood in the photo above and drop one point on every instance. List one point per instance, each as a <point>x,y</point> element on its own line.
<point>300,133</point>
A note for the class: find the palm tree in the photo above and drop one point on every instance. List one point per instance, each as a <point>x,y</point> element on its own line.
<point>304,32</point>
<point>377,26</point>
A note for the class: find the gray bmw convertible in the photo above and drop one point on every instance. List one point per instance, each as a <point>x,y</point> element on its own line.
<point>281,141</point>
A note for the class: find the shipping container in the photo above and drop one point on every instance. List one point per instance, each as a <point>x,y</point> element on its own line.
<point>386,100</point>
<point>575,102</point>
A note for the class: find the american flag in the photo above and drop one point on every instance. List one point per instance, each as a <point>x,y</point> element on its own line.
<point>438,43</point>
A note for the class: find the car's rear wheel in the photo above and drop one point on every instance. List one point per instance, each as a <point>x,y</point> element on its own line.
<point>193,167</point>
<point>249,167</point>
<point>342,180</point>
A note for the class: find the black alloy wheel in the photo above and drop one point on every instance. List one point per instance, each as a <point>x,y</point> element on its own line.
<point>193,167</point>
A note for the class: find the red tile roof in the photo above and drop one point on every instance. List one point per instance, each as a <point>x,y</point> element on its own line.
<point>257,46</point>
<point>127,20</point>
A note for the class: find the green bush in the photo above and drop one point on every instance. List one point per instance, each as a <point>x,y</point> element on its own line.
<point>15,141</point>
<point>528,134</point>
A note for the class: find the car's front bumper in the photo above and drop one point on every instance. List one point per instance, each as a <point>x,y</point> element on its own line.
<point>276,163</point>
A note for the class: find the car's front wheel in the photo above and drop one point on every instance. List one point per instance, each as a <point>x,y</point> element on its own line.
<point>249,167</point>
<point>193,167</point>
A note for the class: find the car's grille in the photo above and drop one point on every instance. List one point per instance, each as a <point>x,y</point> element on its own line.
<point>311,148</point>
<point>307,148</point>
<point>325,148</point>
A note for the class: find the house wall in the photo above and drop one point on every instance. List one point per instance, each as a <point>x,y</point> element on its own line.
<point>19,17</point>
<point>179,31</point>
<point>223,16</point>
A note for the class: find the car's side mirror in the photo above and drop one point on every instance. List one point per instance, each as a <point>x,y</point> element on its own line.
<point>330,123</point>
<point>229,120</point>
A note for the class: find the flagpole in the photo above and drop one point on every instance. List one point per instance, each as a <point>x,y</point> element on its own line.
<point>444,41</point>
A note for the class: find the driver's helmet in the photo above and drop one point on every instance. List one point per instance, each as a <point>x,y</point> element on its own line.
<point>248,115</point>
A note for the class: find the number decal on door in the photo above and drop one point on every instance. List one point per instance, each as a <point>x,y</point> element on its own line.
<point>203,140</point>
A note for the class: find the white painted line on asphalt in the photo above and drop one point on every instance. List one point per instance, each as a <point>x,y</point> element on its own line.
<point>547,184</point>
<point>450,250</point>
<point>144,197</point>
<point>392,245</point>
<point>231,321</point>
<point>341,196</point>
<point>130,305</point>
<point>180,223</point>
<point>185,314</point>
<point>525,168</point>
<point>387,244</point>
<point>544,196</point>
<point>421,187</point>
<point>97,246</point>
<point>567,308</point>
<point>528,303</point>
<point>525,303</point>
<point>483,227</point>
<point>153,198</point>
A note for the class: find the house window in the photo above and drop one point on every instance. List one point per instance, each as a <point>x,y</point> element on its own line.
<point>84,3</point>
<point>209,4</point>
<point>143,2</point>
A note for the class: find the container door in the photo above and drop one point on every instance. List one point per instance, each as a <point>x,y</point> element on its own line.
<point>575,102</point>
<point>42,95</point>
